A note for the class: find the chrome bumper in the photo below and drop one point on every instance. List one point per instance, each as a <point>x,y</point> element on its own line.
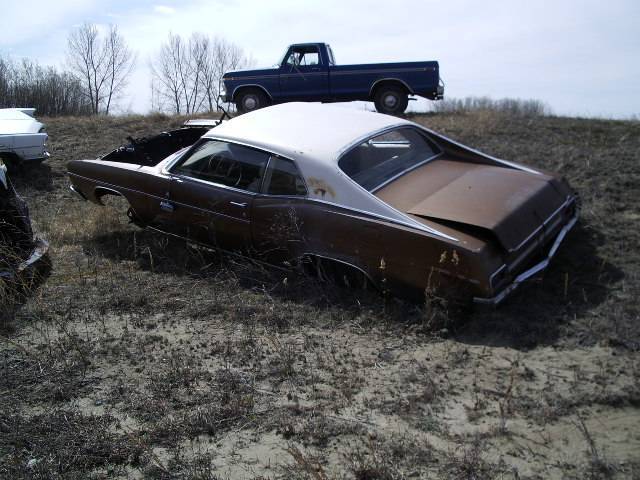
<point>532,271</point>
<point>40,250</point>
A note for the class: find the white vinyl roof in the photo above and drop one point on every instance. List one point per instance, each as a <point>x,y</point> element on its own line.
<point>315,136</point>
<point>308,132</point>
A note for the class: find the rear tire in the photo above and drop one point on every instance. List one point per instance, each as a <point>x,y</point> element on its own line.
<point>251,99</point>
<point>391,99</point>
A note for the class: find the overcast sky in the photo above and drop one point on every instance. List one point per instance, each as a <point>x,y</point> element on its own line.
<point>580,57</point>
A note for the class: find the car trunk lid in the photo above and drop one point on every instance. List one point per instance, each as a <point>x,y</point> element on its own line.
<point>510,203</point>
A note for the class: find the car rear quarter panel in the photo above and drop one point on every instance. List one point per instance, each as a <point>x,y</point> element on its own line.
<point>143,187</point>
<point>395,257</point>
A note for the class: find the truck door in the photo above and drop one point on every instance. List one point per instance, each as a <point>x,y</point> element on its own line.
<point>303,74</point>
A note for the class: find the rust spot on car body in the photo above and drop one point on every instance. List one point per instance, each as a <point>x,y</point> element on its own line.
<point>320,187</point>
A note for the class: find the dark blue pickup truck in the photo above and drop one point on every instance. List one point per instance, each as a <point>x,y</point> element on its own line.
<point>308,73</point>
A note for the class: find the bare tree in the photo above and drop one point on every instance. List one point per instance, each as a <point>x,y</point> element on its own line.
<point>102,65</point>
<point>224,56</point>
<point>187,74</point>
<point>121,62</point>
<point>167,73</point>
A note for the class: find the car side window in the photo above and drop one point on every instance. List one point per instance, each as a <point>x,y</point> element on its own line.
<point>226,164</point>
<point>283,178</point>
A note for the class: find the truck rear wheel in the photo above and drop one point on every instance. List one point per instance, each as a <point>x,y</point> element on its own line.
<point>251,99</point>
<point>391,99</point>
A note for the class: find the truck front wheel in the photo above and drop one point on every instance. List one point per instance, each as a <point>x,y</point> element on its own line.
<point>251,99</point>
<point>391,99</point>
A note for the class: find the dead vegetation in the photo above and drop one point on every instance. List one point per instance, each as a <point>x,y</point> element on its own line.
<point>137,356</point>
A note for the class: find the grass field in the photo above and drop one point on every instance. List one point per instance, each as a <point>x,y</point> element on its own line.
<point>137,356</point>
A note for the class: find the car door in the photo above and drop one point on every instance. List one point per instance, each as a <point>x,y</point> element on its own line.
<point>303,75</point>
<point>212,191</point>
<point>279,222</point>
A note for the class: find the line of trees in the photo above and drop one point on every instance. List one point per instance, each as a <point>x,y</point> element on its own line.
<point>186,74</point>
<point>50,91</point>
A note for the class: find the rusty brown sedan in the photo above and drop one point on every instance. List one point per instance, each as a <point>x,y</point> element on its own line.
<point>361,195</point>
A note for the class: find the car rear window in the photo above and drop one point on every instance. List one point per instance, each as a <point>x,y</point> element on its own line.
<point>385,157</point>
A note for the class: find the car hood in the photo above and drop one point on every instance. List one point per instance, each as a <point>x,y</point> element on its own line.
<point>510,203</point>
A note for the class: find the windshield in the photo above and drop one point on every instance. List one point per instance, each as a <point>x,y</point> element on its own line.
<point>385,157</point>
<point>283,58</point>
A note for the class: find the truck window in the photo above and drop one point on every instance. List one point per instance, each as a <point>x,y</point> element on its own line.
<point>303,56</point>
<point>385,157</point>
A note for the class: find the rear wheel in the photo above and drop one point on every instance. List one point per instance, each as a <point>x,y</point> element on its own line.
<point>391,99</point>
<point>251,99</point>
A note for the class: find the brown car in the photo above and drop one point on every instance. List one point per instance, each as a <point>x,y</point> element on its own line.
<point>362,195</point>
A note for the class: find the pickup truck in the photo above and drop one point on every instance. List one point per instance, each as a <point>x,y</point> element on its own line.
<point>308,73</point>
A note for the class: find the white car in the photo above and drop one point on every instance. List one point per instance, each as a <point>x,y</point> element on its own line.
<point>22,137</point>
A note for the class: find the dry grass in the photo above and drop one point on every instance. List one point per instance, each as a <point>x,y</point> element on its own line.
<point>139,356</point>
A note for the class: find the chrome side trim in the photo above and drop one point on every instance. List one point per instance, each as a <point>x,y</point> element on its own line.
<point>250,77</point>
<point>77,192</point>
<point>413,167</point>
<point>382,70</point>
<point>532,271</point>
<point>338,72</point>
<point>359,213</point>
<point>326,257</point>
<point>100,185</point>
<point>477,152</point>
<point>302,74</point>
<point>566,203</point>
<point>493,275</point>
<point>391,79</point>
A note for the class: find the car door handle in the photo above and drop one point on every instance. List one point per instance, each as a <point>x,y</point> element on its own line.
<point>239,204</point>
<point>166,206</point>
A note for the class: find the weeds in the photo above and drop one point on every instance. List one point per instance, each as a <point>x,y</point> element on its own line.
<point>142,354</point>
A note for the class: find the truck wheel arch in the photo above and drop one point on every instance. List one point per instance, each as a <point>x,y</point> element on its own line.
<point>389,81</point>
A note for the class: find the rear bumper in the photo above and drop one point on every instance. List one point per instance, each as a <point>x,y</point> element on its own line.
<point>524,276</point>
